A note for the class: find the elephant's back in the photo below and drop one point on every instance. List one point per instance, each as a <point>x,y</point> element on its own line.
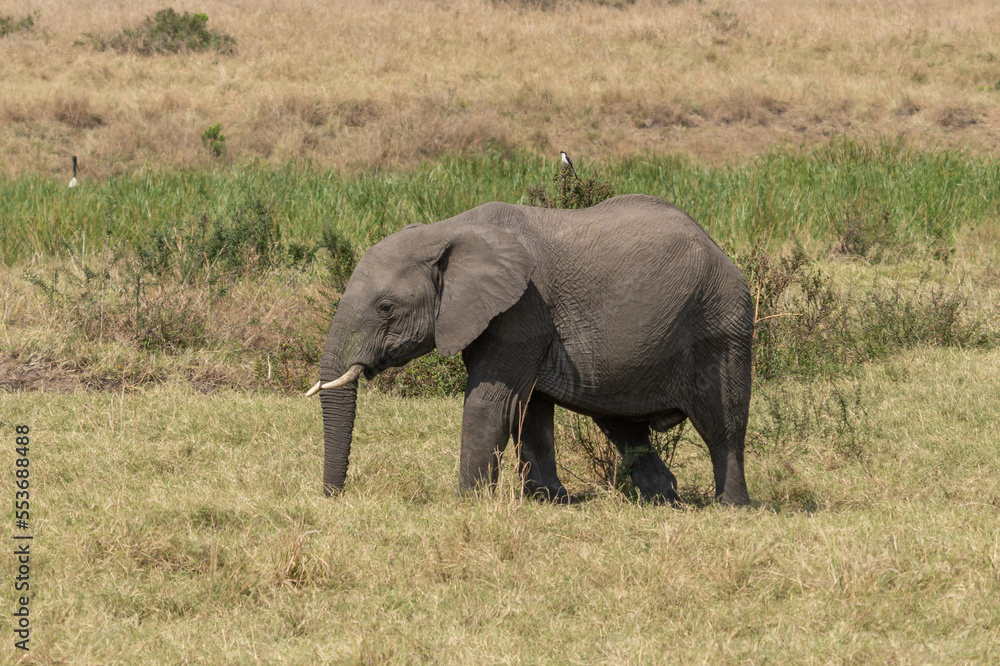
<point>631,283</point>
<point>628,243</point>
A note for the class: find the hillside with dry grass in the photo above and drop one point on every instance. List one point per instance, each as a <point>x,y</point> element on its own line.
<point>354,85</point>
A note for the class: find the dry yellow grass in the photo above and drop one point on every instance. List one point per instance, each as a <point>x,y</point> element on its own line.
<point>172,527</point>
<point>354,85</point>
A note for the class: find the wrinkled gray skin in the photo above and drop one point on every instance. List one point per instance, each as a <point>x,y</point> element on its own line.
<point>627,312</point>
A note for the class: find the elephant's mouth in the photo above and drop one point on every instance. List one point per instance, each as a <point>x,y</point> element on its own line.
<point>401,354</point>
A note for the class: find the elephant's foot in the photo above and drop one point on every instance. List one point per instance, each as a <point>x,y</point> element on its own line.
<point>730,484</point>
<point>654,480</point>
<point>551,493</point>
<point>735,495</point>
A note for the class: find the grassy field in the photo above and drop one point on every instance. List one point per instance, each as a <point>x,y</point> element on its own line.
<point>357,85</point>
<point>159,322</point>
<point>171,526</point>
<point>176,504</point>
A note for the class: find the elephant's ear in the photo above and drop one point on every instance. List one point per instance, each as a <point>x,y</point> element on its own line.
<point>483,271</point>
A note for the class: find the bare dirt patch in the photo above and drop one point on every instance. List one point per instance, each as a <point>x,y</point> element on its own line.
<point>35,377</point>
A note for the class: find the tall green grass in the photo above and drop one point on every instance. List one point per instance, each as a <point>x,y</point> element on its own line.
<point>783,194</point>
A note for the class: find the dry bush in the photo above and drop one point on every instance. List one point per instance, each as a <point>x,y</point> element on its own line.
<point>312,109</point>
<point>907,105</point>
<point>647,115</point>
<point>359,112</point>
<point>257,323</point>
<point>957,117</point>
<point>15,111</point>
<point>76,111</point>
<point>747,105</point>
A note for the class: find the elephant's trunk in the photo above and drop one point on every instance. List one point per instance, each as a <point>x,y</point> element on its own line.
<point>339,405</point>
<point>338,430</point>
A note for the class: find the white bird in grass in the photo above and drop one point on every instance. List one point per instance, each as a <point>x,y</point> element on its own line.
<point>568,162</point>
<point>73,183</point>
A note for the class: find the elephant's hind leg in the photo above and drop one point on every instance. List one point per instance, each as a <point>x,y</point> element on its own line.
<point>649,474</point>
<point>536,448</point>
<point>720,415</point>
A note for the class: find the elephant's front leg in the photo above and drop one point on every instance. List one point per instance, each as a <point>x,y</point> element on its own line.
<point>485,431</point>
<point>502,363</point>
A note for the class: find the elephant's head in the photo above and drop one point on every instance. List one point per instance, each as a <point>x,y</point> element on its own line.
<point>426,286</point>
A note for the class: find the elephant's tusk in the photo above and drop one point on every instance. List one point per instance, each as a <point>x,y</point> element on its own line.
<point>348,377</point>
<point>314,390</point>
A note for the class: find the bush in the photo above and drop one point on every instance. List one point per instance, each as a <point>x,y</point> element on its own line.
<point>9,25</point>
<point>787,414</point>
<point>214,140</point>
<point>342,257</point>
<point>603,458</point>
<point>247,240</point>
<point>431,375</point>
<point>567,190</point>
<point>176,291</point>
<point>804,328</point>
<point>121,301</point>
<point>167,32</point>
<point>865,232</point>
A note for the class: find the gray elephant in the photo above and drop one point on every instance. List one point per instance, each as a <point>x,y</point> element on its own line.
<point>627,312</point>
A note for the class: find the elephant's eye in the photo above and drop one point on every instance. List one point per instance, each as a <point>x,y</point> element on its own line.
<point>384,307</point>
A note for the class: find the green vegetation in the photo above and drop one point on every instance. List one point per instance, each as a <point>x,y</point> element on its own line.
<point>9,25</point>
<point>172,288</point>
<point>808,325</point>
<point>214,140</point>
<point>917,197</point>
<point>167,32</point>
<point>428,376</point>
<point>567,190</point>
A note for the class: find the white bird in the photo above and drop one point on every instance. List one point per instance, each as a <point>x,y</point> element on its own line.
<point>568,162</point>
<point>72,183</point>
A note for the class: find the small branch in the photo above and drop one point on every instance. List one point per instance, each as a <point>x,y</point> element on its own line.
<point>756,305</point>
<point>782,314</point>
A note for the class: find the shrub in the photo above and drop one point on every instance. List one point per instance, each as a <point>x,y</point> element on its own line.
<point>121,301</point>
<point>214,140</point>
<point>167,32</point>
<point>603,458</point>
<point>247,240</point>
<point>342,258</point>
<point>250,237</point>
<point>173,291</point>
<point>865,231</point>
<point>803,327</point>
<point>9,25</point>
<point>76,112</point>
<point>567,190</point>
<point>431,375</point>
<point>768,278</point>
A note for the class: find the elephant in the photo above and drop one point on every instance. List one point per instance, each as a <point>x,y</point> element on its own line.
<point>627,312</point>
